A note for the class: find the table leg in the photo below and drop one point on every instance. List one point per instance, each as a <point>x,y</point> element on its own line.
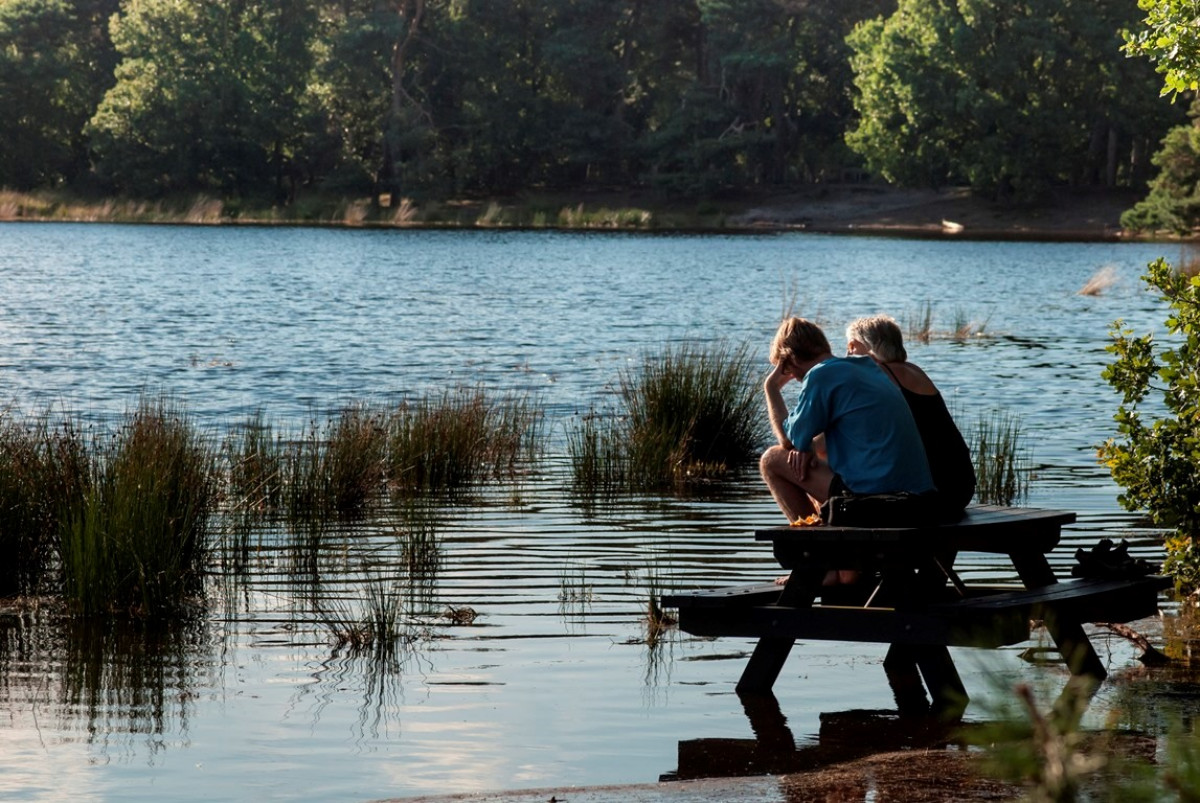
<point>764,666</point>
<point>1076,649</point>
<point>945,686</point>
<point>900,666</point>
<point>771,653</point>
<point>1072,642</point>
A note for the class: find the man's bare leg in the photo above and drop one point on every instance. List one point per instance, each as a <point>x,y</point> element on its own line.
<point>799,483</point>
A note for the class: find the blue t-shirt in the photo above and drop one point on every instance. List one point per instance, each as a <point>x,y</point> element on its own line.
<point>870,435</point>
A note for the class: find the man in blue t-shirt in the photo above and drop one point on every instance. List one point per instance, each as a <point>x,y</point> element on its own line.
<point>871,440</point>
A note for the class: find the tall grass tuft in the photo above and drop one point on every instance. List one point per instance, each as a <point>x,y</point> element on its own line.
<point>692,412</point>
<point>355,458</point>
<point>919,326</point>
<point>135,539</point>
<point>375,624</point>
<point>599,459</point>
<point>446,443</point>
<point>256,461</point>
<point>41,463</point>
<point>1001,460</point>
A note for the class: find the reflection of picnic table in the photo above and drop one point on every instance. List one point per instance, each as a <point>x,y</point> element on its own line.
<point>920,605</point>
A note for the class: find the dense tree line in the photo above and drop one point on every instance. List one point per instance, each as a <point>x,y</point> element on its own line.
<point>247,97</point>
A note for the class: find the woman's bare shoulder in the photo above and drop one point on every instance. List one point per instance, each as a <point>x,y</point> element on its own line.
<point>912,378</point>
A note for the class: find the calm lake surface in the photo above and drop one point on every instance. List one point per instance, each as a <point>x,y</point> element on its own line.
<point>553,684</point>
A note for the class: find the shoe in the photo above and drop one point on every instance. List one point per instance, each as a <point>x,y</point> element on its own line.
<point>1108,562</point>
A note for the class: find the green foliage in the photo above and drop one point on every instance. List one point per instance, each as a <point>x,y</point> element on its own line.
<point>41,464</point>
<point>55,63</point>
<point>1155,457</point>
<point>448,442</point>
<point>1170,38</point>
<point>998,94</point>
<point>208,96</point>
<point>1173,203</point>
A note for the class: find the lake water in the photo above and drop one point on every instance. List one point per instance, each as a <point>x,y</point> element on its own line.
<point>553,685</point>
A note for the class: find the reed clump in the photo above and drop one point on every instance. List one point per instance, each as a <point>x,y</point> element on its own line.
<point>255,459</point>
<point>1001,460</point>
<point>446,443</point>
<point>599,458</point>
<point>1100,281</point>
<point>689,413</point>
<point>135,538</point>
<point>42,463</point>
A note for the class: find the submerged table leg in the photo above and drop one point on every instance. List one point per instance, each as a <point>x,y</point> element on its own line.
<point>1076,649</point>
<point>900,666</point>
<point>945,686</point>
<point>1073,644</point>
<point>764,666</point>
<point>771,653</point>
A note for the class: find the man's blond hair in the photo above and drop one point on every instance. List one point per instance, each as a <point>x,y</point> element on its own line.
<point>798,339</point>
<point>881,334</point>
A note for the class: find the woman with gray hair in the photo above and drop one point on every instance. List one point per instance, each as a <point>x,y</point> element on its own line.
<point>949,456</point>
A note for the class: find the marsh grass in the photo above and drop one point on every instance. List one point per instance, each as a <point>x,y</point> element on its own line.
<point>919,325</point>
<point>255,456</point>
<point>692,412</point>
<point>574,591</point>
<point>599,459</point>
<point>688,414</point>
<point>658,621</point>
<point>449,442</point>
<point>135,539</point>
<point>1001,460</point>
<point>604,217</point>
<point>375,623</point>
<point>42,463</point>
<point>1100,281</point>
<point>417,533</point>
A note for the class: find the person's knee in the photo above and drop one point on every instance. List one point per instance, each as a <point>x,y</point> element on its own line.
<point>773,460</point>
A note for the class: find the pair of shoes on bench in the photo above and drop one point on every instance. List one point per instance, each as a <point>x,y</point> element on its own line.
<point>1108,562</point>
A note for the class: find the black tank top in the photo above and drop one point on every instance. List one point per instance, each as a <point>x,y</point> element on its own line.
<point>948,454</point>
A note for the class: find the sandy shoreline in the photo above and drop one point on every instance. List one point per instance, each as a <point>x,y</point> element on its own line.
<point>868,209</point>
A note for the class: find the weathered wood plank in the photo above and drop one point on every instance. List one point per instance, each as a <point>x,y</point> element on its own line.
<point>982,529</point>
<point>728,596</point>
<point>987,620</point>
<point>872,625</point>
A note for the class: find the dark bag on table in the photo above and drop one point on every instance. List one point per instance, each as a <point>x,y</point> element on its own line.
<point>901,509</point>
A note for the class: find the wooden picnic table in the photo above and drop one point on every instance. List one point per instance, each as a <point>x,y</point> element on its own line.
<point>918,604</point>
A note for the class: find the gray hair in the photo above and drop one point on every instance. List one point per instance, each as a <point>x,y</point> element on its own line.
<point>882,336</point>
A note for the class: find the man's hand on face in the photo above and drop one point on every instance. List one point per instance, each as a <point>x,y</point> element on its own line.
<point>780,375</point>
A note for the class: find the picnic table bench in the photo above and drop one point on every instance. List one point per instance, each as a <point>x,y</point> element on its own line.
<point>920,606</point>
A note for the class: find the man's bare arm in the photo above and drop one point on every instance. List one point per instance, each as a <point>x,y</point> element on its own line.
<point>776,407</point>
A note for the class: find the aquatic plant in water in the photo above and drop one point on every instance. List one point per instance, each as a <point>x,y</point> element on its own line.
<point>42,463</point>
<point>135,538</point>
<point>688,413</point>
<point>1001,460</point>
<point>448,442</point>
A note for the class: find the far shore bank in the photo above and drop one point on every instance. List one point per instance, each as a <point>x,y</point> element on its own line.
<point>851,209</point>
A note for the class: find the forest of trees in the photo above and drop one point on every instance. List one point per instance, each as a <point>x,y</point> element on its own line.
<point>270,98</point>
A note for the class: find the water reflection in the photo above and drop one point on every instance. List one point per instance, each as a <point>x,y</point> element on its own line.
<point>115,682</point>
<point>843,736</point>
